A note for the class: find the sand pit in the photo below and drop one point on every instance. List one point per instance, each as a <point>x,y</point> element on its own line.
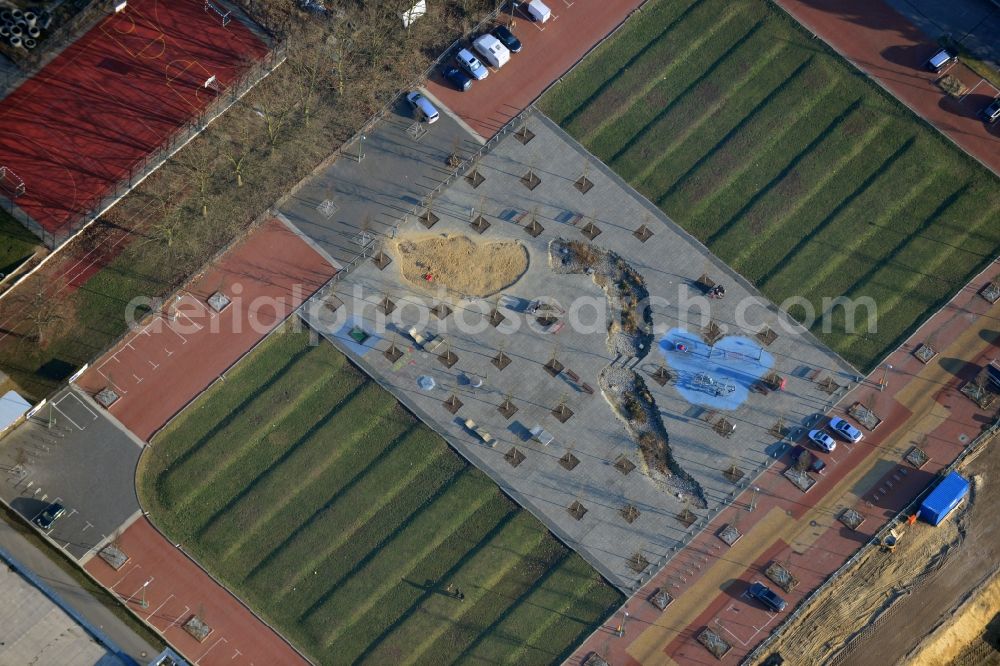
<point>460,265</point>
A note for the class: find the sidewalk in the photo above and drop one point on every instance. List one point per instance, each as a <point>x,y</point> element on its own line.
<point>892,51</point>
<point>920,405</point>
<point>72,594</point>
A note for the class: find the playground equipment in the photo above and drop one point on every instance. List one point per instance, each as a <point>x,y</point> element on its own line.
<point>708,384</point>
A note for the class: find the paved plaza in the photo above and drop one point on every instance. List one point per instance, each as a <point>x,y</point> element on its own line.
<point>72,452</point>
<point>670,262</point>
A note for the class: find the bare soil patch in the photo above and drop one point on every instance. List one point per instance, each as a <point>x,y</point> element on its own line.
<point>460,265</point>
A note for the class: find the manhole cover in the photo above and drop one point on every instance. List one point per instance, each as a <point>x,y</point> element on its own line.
<point>963,438</point>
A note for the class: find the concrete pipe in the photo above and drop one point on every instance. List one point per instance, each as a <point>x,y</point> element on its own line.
<point>30,19</point>
<point>16,31</point>
<point>21,22</point>
<point>34,32</point>
<point>29,43</point>
<point>4,30</point>
<point>17,14</point>
<point>6,16</point>
<point>15,41</point>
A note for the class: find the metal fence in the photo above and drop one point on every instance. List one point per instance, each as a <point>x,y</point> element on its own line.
<point>155,158</point>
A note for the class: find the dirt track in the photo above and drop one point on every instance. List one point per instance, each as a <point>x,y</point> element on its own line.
<point>879,612</point>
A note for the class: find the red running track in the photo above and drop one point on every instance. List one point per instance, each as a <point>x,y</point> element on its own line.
<point>77,128</point>
<point>165,588</point>
<point>159,368</point>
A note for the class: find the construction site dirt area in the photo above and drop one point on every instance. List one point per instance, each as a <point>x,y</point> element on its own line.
<point>924,602</point>
<point>460,265</point>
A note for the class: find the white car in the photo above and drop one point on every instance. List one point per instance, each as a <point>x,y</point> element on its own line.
<point>822,440</point>
<point>422,107</point>
<point>845,430</point>
<point>471,64</point>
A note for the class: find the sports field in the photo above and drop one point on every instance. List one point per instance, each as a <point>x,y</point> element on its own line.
<point>91,116</point>
<point>789,165</point>
<point>352,527</point>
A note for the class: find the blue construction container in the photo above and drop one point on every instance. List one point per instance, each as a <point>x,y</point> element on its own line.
<point>943,499</point>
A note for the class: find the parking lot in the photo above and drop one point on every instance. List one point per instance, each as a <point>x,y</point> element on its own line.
<point>72,453</point>
<point>549,51</point>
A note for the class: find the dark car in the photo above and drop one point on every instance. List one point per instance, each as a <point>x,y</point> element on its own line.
<point>766,596</point>
<point>51,513</point>
<point>456,77</point>
<point>941,60</point>
<point>507,38</point>
<point>991,112</point>
<point>805,460</point>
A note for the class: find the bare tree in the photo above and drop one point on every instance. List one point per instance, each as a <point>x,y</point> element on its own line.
<point>237,151</point>
<point>200,159</point>
<point>275,102</point>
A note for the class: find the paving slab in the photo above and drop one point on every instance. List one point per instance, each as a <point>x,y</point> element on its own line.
<point>670,261</point>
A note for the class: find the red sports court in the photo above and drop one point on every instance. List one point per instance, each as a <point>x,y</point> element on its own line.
<point>81,125</point>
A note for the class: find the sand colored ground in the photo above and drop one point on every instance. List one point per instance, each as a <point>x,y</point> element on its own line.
<point>459,264</point>
<point>966,626</point>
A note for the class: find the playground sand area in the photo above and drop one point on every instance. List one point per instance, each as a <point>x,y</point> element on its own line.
<point>458,264</point>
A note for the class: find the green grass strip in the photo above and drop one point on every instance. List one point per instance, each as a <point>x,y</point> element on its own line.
<point>491,581</point>
<point>634,120</point>
<point>243,460</point>
<point>798,200</point>
<point>241,430</point>
<point>756,68</point>
<point>411,473</point>
<point>589,77</point>
<point>864,231</point>
<point>424,550</point>
<point>283,485</point>
<point>681,43</point>
<point>558,612</point>
<point>723,154</point>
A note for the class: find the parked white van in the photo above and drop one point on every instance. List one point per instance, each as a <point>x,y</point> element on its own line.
<point>538,11</point>
<point>422,107</point>
<point>492,50</point>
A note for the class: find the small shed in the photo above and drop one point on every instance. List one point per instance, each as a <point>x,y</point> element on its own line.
<point>944,499</point>
<point>12,408</point>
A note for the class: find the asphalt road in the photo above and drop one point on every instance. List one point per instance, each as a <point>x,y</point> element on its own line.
<point>72,594</point>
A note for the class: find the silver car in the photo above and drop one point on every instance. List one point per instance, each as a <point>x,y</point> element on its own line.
<point>822,440</point>
<point>845,430</point>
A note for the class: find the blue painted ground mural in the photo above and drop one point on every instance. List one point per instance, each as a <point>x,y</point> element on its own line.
<point>717,376</point>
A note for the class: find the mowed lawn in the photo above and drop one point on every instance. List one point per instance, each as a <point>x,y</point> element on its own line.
<point>349,525</point>
<point>787,163</point>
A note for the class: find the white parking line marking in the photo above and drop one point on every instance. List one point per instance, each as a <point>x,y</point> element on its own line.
<point>222,639</point>
<point>157,609</point>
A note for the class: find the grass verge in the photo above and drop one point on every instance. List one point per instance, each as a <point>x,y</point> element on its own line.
<point>354,529</point>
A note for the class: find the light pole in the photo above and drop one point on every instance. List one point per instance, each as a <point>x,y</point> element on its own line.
<point>753,499</point>
<point>621,625</point>
<point>143,602</point>
<point>361,148</point>
<point>885,377</point>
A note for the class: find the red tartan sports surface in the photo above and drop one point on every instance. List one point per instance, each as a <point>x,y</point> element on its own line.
<point>77,128</point>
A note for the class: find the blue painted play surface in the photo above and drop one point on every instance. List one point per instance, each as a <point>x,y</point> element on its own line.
<point>343,336</point>
<point>718,377</point>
